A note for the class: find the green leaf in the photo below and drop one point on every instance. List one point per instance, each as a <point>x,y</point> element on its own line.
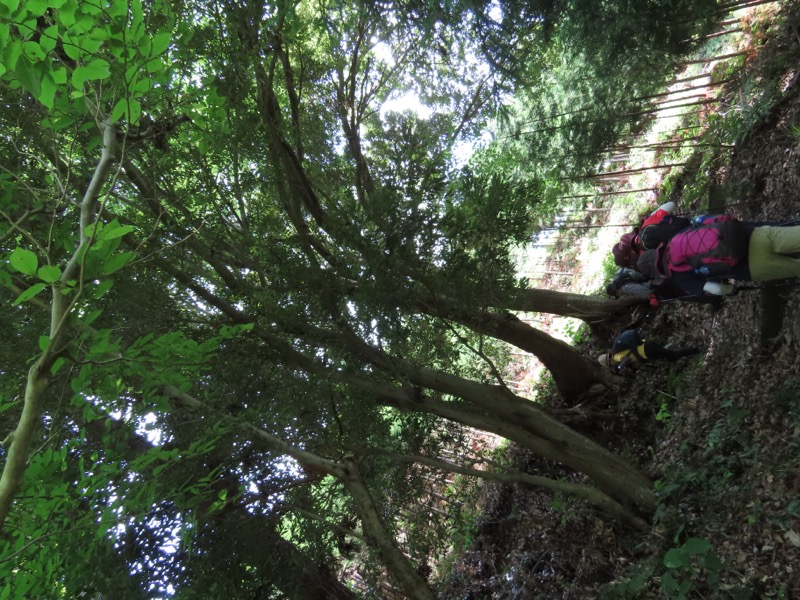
<point>91,46</point>
<point>37,7</point>
<point>93,229</point>
<point>103,287</point>
<point>137,14</point>
<point>713,562</point>
<point>12,54</point>
<point>90,318</point>
<point>66,12</point>
<point>49,38</point>
<point>116,262</point>
<point>155,65</point>
<point>71,48</point>
<point>59,76</point>
<point>6,405</point>
<point>32,291</point>
<point>29,76</point>
<point>57,364</point>
<point>160,43</point>
<point>675,558</point>
<point>97,69</point>
<point>141,86</point>
<point>145,43</point>
<point>24,261</point>
<point>697,546</point>
<point>33,51</point>
<point>11,5</point>
<point>668,583</point>
<point>44,342</point>
<point>118,8</point>
<point>120,110</point>
<point>114,230</point>
<point>134,112</point>
<point>47,95</point>
<point>49,273</point>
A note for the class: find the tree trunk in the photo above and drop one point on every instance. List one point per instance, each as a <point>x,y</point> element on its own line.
<point>520,419</point>
<point>399,567</point>
<point>412,583</point>
<point>496,410</point>
<point>572,372</point>
<point>591,309</point>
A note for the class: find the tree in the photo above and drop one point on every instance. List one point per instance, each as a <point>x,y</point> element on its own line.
<point>209,215</point>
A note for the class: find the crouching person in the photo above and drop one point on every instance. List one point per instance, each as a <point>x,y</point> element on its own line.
<point>631,350</point>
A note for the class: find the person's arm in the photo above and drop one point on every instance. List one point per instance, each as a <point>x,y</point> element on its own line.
<point>624,363</point>
<point>635,289</point>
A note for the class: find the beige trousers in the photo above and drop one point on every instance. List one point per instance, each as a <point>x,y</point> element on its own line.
<point>767,253</point>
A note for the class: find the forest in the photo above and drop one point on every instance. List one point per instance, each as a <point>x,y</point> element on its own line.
<point>263,308</point>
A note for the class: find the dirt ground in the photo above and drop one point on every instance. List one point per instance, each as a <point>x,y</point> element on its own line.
<point>720,432</point>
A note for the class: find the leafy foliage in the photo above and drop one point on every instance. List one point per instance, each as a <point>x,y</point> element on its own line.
<point>244,301</point>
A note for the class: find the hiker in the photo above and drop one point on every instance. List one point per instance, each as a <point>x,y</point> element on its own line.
<point>634,284</point>
<point>631,350</point>
<point>657,228</point>
<point>629,282</point>
<point>721,247</point>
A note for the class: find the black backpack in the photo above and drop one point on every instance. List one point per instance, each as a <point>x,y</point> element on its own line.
<point>624,274</point>
<point>652,236</point>
<point>629,339</point>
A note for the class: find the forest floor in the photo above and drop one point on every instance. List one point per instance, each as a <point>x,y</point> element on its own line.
<point>719,434</point>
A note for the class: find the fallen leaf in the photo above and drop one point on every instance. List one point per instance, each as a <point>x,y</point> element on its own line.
<point>793,537</point>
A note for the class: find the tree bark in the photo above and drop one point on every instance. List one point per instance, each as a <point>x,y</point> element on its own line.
<point>572,372</point>
<point>412,583</point>
<point>19,441</point>
<point>591,309</point>
<point>588,493</point>
<point>496,410</point>
<point>557,442</point>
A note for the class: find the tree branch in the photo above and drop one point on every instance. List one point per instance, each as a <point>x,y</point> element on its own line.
<point>19,441</point>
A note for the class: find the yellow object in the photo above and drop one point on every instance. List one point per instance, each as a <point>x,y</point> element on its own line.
<point>636,356</point>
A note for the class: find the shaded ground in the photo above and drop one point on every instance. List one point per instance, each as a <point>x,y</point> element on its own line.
<point>721,433</point>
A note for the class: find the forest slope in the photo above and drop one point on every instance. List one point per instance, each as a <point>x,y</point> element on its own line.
<point>720,433</point>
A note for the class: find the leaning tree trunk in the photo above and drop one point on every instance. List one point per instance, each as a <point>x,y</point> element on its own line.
<point>591,309</point>
<point>572,372</point>
<point>496,410</point>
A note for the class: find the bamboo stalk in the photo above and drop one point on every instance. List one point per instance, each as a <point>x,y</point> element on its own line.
<point>629,171</point>
<point>702,61</point>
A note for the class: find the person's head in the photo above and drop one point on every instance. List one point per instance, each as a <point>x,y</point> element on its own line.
<point>607,360</point>
<point>626,251</point>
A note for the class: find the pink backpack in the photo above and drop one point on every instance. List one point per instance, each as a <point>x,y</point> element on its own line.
<point>710,248</point>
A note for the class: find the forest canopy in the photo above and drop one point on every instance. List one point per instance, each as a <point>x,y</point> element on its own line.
<point>248,313</point>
